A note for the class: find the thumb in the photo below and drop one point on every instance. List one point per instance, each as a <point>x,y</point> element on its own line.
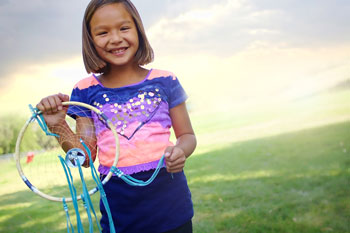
<point>168,152</point>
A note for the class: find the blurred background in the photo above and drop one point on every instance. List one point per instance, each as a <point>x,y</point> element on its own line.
<point>227,53</point>
<point>253,69</point>
<point>232,56</point>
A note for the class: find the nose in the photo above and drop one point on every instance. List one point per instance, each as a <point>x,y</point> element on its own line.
<point>115,37</point>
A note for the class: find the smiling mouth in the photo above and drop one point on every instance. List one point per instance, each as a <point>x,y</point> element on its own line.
<point>119,51</point>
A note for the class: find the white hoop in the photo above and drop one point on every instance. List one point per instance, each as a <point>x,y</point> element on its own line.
<point>68,199</point>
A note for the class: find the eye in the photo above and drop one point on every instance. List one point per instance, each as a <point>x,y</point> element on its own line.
<point>124,28</point>
<point>101,33</point>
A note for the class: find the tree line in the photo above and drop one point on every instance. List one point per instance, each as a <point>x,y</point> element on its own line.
<point>34,138</point>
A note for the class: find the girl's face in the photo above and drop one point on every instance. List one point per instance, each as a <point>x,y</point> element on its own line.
<point>115,34</point>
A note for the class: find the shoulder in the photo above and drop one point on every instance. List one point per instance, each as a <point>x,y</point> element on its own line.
<point>86,82</point>
<point>156,73</point>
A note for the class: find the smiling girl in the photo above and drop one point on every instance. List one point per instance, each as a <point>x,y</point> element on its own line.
<point>143,105</point>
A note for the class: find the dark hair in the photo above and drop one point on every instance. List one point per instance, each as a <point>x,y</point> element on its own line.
<point>92,61</point>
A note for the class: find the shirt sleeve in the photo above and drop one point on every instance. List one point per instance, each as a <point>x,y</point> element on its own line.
<point>75,111</point>
<point>177,93</point>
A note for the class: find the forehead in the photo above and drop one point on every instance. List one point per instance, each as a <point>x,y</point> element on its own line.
<point>110,13</point>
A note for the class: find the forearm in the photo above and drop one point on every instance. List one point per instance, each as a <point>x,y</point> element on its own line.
<point>69,140</point>
<point>188,143</point>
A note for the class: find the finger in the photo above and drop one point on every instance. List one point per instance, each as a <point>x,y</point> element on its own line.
<point>58,103</point>
<point>63,97</point>
<point>177,166</point>
<point>40,106</point>
<point>168,152</point>
<point>177,156</point>
<point>46,107</point>
<point>175,169</point>
<point>174,157</point>
<point>55,103</point>
<point>178,162</point>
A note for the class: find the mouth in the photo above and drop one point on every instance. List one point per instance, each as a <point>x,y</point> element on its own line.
<point>118,51</point>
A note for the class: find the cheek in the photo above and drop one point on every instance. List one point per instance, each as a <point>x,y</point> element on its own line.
<point>100,43</point>
<point>136,41</point>
<point>99,51</point>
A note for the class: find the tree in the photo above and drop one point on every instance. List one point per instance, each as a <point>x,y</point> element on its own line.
<point>34,138</point>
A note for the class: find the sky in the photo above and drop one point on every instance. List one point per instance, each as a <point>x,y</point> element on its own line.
<point>225,52</point>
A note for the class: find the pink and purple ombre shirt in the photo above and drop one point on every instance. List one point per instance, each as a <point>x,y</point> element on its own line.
<point>140,113</point>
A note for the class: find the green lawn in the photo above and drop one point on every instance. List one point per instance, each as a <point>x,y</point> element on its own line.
<point>271,169</point>
<point>296,182</point>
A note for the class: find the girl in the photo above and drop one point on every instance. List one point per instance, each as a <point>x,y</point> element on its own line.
<point>145,104</point>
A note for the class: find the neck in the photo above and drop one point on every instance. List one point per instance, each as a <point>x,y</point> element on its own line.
<point>123,75</point>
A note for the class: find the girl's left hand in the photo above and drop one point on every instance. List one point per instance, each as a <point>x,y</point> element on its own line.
<point>175,159</point>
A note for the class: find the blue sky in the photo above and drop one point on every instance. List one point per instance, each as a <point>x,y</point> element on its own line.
<point>282,46</point>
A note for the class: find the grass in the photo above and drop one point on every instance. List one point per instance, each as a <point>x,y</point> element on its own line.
<point>296,182</point>
<point>273,169</point>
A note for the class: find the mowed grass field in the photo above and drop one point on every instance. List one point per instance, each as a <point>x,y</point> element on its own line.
<point>275,168</point>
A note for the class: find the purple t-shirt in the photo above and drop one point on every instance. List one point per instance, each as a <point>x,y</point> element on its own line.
<point>140,113</point>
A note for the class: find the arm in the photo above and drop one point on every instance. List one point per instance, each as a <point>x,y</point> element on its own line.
<point>54,114</point>
<point>175,156</point>
<point>84,130</point>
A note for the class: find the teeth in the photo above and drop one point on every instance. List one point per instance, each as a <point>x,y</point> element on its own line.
<point>118,50</point>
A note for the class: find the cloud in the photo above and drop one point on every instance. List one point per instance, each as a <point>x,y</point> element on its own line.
<point>309,23</point>
<point>37,30</point>
<point>151,12</point>
<point>209,28</point>
<point>47,31</point>
<point>227,27</point>
<point>238,42</point>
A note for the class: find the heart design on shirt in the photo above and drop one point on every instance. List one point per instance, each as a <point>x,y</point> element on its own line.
<point>129,116</point>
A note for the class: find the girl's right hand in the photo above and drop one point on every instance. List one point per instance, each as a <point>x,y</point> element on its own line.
<point>52,109</point>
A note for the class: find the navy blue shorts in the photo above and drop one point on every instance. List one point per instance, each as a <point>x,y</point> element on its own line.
<point>162,206</point>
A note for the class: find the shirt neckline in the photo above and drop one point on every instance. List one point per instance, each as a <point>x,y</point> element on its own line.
<point>130,85</point>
